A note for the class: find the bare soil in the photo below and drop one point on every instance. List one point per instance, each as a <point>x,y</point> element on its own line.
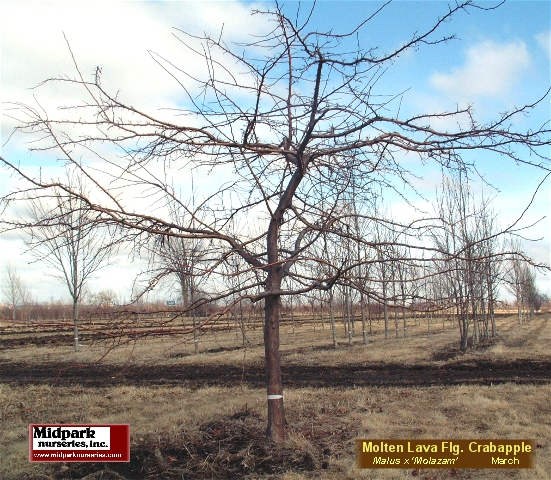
<point>457,372</point>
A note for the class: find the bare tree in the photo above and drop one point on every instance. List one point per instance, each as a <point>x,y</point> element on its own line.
<point>520,279</point>
<point>183,261</point>
<point>286,120</point>
<point>15,290</point>
<point>63,234</point>
<point>103,298</point>
<point>471,256</point>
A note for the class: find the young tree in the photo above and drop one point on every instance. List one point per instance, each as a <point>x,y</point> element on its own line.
<point>103,298</point>
<point>65,235</point>
<point>470,260</point>
<point>15,290</point>
<point>288,120</point>
<point>520,278</point>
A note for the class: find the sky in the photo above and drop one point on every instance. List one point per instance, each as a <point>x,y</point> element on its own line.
<point>500,59</point>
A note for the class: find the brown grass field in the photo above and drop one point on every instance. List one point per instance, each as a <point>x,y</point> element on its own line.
<point>203,416</point>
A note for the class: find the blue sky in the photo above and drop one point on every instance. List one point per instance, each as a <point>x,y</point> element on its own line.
<point>500,59</point>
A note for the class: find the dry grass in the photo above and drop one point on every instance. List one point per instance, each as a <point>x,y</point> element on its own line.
<point>203,416</point>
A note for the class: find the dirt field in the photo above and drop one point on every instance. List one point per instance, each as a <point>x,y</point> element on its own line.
<point>203,416</point>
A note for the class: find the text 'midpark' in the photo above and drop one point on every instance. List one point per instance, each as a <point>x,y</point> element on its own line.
<point>79,443</point>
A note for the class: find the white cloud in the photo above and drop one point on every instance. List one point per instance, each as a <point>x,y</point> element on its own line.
<point>544,39</point>
<point>117,36</point>
<point>490,70</point>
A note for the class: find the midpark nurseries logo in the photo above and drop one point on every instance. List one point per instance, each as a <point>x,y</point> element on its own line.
<point>79,443</point>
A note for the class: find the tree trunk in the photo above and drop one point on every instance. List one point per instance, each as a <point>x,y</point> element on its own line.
<point>385,309</point>
<point>402,288</point>
<point>369,316</point>
<point>385,314</point>
<point>312,303</point>
<point>347,312</point>
<point>492,315</point>
<point>75,323</point>
<point>272,309</point>
<point>292,315</point>
<point>332,320</point>
<point>195,334</point>
<point>362,313</point>
<point>463,325</point>
<point>242,323</point>
<point>322,317</point>
<point>276,413</point>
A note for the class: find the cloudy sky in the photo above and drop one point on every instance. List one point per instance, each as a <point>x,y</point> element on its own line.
<point>500,60</point>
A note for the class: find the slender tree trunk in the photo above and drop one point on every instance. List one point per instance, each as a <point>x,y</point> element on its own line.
<point>353,315</point>
<point>369,316</point>
<point>321,312</point>
<point>344,311</point>
<point>313,314</point>
<point>485,322</point>
<point>385,310</point>
<point>184,287</point>
<point>194,322</point>
<point>292,315</point>
<point>464,326</point>
<point>75,323</point>
<point>195,334</point>
<point>242,323</point>
<point>235,325</point>
<point>476,334</point>
<point>492,315</point>
<point>463,319</point>
<point>347,312</point>
<point>332,320</point>
<point>404,321</point>
<point>362,313</point>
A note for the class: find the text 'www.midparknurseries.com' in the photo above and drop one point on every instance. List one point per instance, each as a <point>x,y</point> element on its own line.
<point>79,443</point>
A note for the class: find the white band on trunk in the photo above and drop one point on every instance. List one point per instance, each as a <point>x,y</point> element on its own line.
<point>274,397</point>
